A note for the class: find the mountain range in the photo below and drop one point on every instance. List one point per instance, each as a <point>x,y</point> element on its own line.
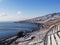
<point>48,19</point>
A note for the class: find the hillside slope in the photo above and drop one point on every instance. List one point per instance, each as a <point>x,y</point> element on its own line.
<point>49,19</point>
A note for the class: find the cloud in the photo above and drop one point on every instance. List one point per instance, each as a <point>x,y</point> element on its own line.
<point>9,18</point>
<point>3,14</point>
<point>18,17</point>
<point>14,18</point>
<point>18,12</point>
<point>5,17</point>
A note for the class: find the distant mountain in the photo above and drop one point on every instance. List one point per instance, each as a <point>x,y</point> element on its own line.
<point>43,19</point>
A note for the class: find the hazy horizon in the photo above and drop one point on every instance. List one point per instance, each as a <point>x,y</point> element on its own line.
<point>17,10</point>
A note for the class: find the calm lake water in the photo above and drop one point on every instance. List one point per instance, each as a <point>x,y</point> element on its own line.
<point>8,29</point>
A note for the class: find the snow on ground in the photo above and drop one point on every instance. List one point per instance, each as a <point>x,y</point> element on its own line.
<point>38,38</point>
<point>48,43</point>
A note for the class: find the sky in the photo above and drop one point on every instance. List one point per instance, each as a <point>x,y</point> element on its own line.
<point>16,10</point>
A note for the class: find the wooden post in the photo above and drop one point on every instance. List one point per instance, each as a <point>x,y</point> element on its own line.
<point>58,35</point>
<point>55,39</point>
<point>50,40</point>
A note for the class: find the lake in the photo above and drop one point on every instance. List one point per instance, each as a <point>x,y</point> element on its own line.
<point>8,29</point>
